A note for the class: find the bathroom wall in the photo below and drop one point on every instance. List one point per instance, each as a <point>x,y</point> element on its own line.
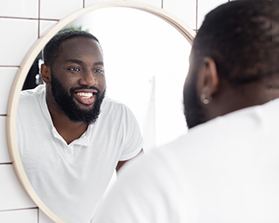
<point>22,22</point>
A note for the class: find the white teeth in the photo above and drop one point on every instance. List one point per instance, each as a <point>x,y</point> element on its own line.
<point>85,94</point>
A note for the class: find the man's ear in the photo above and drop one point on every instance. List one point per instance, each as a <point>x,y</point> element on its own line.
<point>208,80</point>
<point>46,73</point>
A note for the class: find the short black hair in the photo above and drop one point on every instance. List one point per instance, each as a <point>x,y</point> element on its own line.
<point>51,50</point>
<point>242,37</point>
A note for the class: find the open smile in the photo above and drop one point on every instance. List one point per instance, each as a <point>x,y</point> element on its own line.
<point>86,97</point>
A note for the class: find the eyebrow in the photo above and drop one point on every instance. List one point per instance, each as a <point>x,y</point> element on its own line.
<point>81,62</point>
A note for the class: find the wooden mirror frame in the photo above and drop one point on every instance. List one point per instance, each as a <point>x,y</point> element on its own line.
<point>26,65</point>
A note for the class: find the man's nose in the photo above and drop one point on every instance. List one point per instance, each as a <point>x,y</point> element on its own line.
<point>88,78</point>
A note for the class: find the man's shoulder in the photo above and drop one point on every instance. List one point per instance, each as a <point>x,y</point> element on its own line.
<point>113,106</point>
<point>111,102</point>
<point>31,94</point>
<point>225,153</point>
<point>240,121</point>
<point>230,134</point>
<point>31,102</point>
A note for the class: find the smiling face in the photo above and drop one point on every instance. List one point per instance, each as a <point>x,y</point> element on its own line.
<point>76,80</point>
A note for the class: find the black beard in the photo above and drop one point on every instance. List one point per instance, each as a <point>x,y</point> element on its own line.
<point>69,107</point>
<point>193,108</point>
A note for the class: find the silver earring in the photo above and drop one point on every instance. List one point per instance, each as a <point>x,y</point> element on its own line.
<point>205,100</point>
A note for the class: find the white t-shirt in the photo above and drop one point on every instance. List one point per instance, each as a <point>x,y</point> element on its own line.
<point>224,171</point>
<point>71,179</point>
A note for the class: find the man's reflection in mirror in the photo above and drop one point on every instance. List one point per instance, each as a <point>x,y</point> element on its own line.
<point>71,137</point>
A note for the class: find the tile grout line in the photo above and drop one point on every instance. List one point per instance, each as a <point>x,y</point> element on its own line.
<point>197,10</point>
<point>19,209</point>
<point>38,215</point>
<point>15,17</point>
<point>46,19</point>
<point>39,16</point>
<point>25,18</point>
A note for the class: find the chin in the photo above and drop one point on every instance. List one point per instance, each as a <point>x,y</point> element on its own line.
<point>85,107</point>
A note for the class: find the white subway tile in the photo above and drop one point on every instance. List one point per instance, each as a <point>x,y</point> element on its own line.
<point>13,196</point>
<point>19,216</point>
<point>45,26</point>
<point>4,156</point>
<point>156,3</point>
<point>184,10</point>
<point>205,6</point>
<point>17,36</point>
<point>91,2</point>
<point>53,9</point>
<point>19,8</point>
<point>7,76</point>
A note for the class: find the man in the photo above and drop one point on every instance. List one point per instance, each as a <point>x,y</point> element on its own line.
<point>227,169</point>
<point>70,136</point>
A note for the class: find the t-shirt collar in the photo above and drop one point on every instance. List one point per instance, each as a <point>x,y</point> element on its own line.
<point>83,140</point>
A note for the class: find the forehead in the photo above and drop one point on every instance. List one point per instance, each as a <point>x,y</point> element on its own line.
<point>79,47</point>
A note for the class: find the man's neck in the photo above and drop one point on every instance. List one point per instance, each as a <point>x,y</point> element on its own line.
<point>256,93</point>
<point>68,129</point>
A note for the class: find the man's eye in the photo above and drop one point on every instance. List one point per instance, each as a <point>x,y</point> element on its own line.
<point>99,70</point>
<point>74,69</point>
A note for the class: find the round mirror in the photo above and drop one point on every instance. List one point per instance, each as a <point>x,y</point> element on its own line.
<point>145,55</point>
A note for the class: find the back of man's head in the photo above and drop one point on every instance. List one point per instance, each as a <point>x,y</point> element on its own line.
<point>234,60</point>
<point>243,39</point>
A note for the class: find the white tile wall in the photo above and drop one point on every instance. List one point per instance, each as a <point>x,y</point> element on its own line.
<point>19,216</point>
<point>17,36</point>
<point>183,10</point>
<point>7,75</point>
<point>4,156</point>
<point>90,2</point>
<point>156,3</point>
<point>12,194</point>
<point>53,9</point>
<point>19,8</point>
<point>45,26</point>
